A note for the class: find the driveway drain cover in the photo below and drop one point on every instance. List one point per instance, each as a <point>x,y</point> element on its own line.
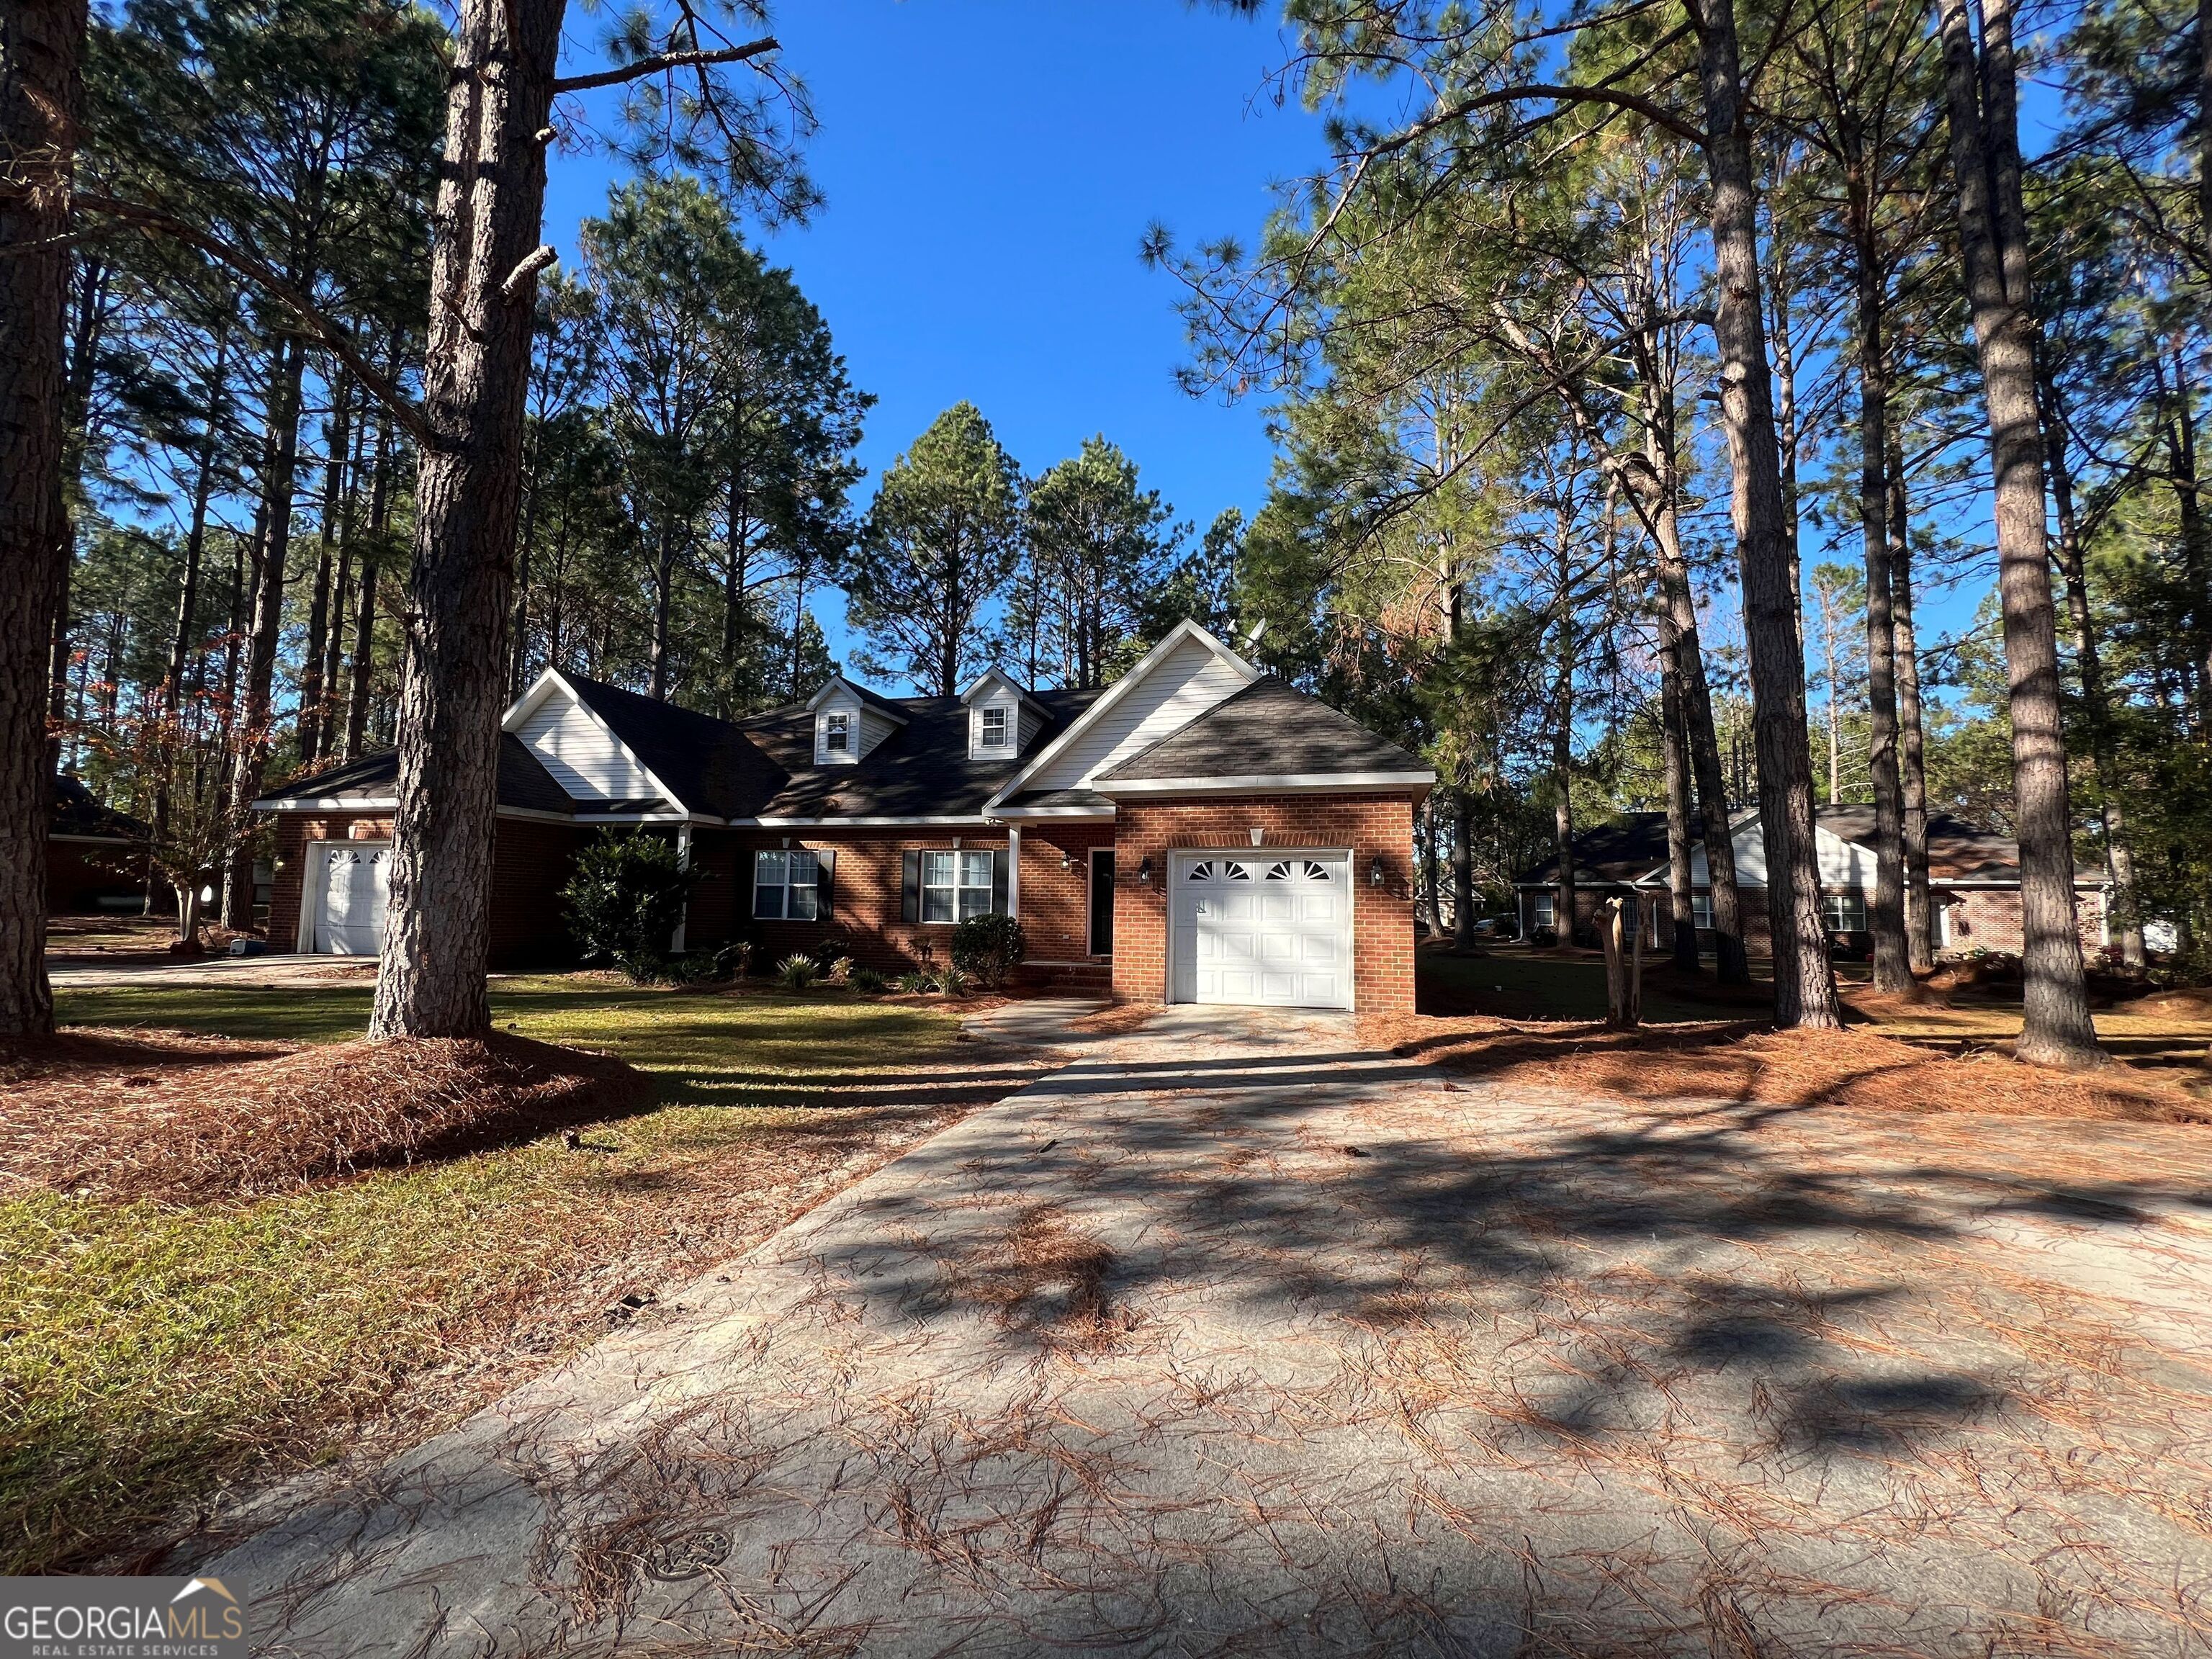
<point>687,1555</point>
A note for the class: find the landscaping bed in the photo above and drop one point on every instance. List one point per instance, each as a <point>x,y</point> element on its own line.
<point>307,1269</point>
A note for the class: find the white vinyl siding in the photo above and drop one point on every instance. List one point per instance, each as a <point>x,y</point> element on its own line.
<point>584,757</point>
<point>865,728</point>
<point>1188,681</point>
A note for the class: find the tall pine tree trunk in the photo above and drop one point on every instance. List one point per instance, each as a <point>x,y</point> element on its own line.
<point>273,550</point>
<point>491,197</point>
<point>1993,238</point>
<point>1462,869</point>
<point>41,88</point>
<point>1804,985</point>
<point>1730,960</point>
<point>1681,905</point>
<point>361,680</point>
<point>336,440</point>
<point>1893,962</point>
<point>2123,910</point>
<point>1911,737</point>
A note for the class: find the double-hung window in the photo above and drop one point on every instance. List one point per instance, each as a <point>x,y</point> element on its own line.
<point>956,885</point>
<point>994,728</point>
<point>1547,910</point>
<point>787,886</point>
<point>1844,913</point>
<point>1701,911</point>
<point>837,734</point>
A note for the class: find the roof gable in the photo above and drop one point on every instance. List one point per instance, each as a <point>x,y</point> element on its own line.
<point>1268,730</point>
<point>1177,680</point>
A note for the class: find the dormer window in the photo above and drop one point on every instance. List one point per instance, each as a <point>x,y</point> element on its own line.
<point>994,728</point>
<point>837,734</point>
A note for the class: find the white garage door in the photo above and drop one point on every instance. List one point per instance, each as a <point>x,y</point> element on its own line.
<point>1275,931</point>
<point>350,905</point>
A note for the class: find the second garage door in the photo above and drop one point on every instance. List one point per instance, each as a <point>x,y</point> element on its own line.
<point>350,905</point>
<point>1266,930</point>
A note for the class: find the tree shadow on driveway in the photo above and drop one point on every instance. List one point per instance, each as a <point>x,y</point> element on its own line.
<point>1243,1340</point>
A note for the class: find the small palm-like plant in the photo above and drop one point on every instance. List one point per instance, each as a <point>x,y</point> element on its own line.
<point>796,972</point>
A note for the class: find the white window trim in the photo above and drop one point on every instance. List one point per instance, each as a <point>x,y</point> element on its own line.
<point>1544,910</point>
<point>1701,903</point>
<point>787,885</point>
<point>983,727</point>
<point>956,886</point>
<point>837,723</point>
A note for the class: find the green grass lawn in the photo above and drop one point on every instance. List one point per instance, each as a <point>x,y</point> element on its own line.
<point>153,1355</point>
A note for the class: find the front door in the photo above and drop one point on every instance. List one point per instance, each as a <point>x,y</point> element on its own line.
<point>1264,928</point>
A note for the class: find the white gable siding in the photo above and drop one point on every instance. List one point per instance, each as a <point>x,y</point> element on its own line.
<point>1032,722</point>
<point>1843,863</point>
<point>1017,727</point>
<point>870,727</point>
<point>1181,686</point>
<point>582,755</point>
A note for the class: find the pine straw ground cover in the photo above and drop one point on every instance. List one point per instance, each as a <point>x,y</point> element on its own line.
<point>1738,1061</point>
<point>330,1253</point>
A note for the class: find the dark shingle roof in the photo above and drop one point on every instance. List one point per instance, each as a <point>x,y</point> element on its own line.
<point>1623,850</point>
<point>709,764</point>
<point>524,783</point>
<point>1269,729</point>
<point>1089,800</point>
<point>77,813</point>
<point>921,770</point>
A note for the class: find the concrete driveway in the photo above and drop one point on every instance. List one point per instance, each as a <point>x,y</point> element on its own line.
<point>1233,1338</point>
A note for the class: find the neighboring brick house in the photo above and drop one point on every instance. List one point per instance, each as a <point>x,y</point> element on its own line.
<point>95,857</point>
<point>1198,831</point>
<point>1973,877</point>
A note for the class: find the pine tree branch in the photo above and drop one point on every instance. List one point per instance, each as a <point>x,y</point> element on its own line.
<point>664,60</point>
<point>319,327</point>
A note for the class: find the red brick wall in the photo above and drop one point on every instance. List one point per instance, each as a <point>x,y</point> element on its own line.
<point>1371,825</point>
<point>530,863</point>
<point>867,890</point>
<point>1055,901</point>
<point>1988,919</point>
<point>79,871</point>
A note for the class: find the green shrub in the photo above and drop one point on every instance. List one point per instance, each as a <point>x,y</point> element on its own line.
<point>797,971</point>
<point>867,982</point>
<point>624,900</point>
<point>829,953</point>
<point>916,984</point>
<point>988,949</point>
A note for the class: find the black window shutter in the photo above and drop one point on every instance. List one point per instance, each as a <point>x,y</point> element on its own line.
<point>999,884</point>
<point>826,883</point>
<point>910,907</point>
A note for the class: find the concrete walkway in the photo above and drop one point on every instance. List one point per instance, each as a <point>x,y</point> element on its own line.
<point>1231,1337</point>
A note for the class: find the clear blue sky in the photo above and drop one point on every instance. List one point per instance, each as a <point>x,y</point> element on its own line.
<point>990,166</point>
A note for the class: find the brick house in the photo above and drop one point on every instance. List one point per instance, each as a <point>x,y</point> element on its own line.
<point>95,856</point>
<point>1199,831</point>
<point>1973,877</point>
